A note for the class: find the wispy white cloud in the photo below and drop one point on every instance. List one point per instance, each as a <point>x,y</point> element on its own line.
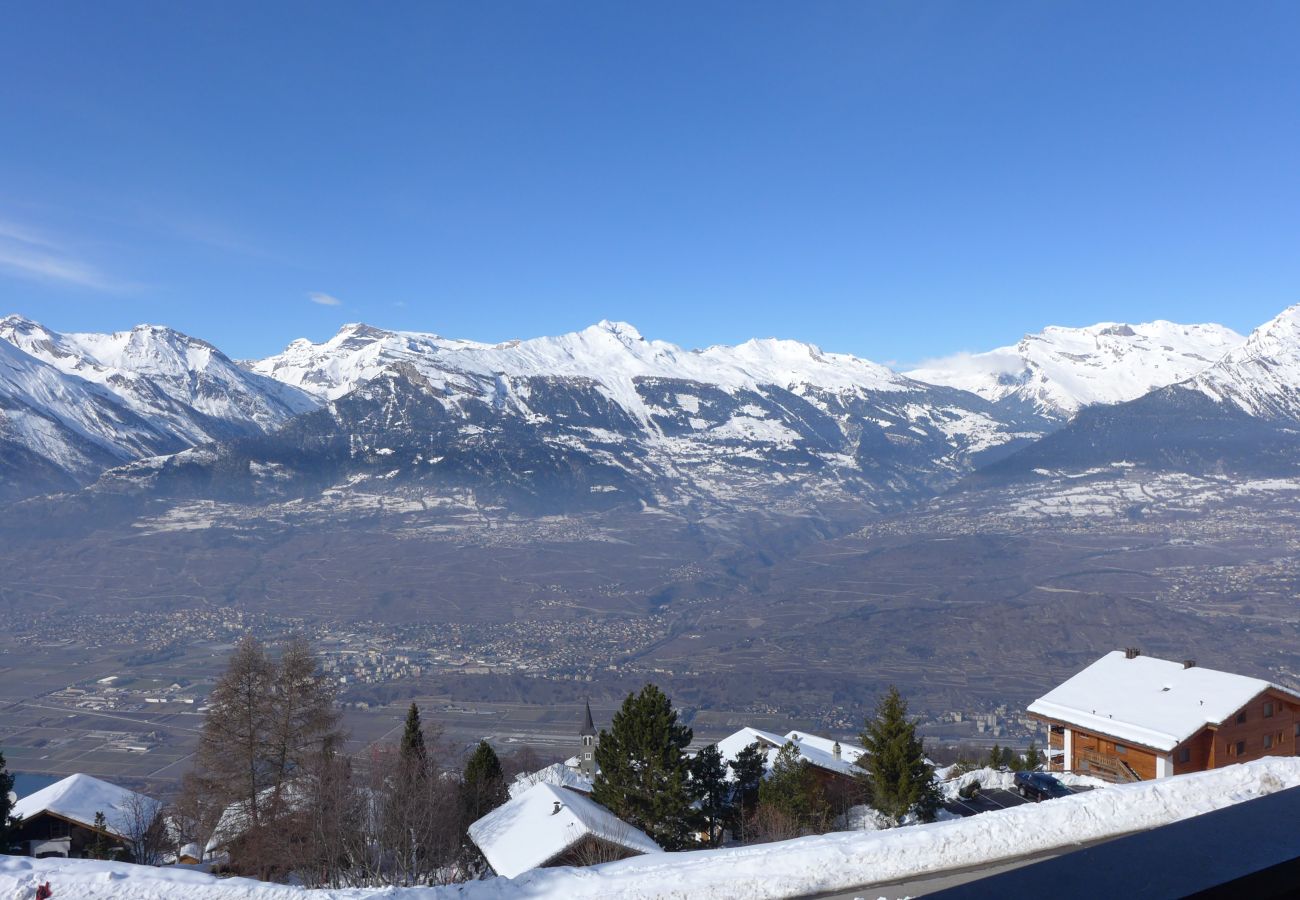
<point>324,299</point>
<point>27,253</point>
<point>961,365</point>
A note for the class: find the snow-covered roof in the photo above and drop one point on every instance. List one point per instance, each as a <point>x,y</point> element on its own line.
<point>1156,703</point>
<point>79,797</point>
<point>543,822</point>
<point>557,774</point>
<point>818,751</point>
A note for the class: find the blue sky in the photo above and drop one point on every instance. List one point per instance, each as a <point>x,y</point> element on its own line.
<point>893,179</point>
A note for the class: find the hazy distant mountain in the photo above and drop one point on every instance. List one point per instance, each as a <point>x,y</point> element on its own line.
<point>599,417</point>
<point>1058,371</point>
<point>1241,415</point>
<point>604,417</point>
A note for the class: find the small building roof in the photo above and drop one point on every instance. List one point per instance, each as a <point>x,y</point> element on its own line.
<point>557,774</point>
<point>543,822</point>
<point>78,797</point>
<point>1156,703</point>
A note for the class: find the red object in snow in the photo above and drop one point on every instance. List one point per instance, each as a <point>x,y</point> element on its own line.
<point>43,892</point>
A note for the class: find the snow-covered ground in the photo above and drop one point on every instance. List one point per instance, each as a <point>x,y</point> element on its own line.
<point>825,863</point>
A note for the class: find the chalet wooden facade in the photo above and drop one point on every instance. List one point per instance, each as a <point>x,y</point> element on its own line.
<point>1130,717</point>
<point>60,820</point>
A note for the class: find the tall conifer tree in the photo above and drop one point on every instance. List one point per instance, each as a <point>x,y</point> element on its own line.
<point>709,783</point>
<point>412,747</point>
<point>483,784</point>
<point>901,781</point>
<point>644,774</point>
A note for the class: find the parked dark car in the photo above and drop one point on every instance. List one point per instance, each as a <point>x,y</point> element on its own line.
<point>1039,786</point>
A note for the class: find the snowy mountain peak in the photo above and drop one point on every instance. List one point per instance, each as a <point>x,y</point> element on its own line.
<point>184,387</point>
<point>618,329</point>
<point>1059,370</point>
<point>1261,376</point>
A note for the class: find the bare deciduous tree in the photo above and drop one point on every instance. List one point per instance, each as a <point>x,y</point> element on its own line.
<point>141,824</point>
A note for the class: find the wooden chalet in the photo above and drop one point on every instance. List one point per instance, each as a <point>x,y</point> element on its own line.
<point>1129,717</point>
<point>59,820</point>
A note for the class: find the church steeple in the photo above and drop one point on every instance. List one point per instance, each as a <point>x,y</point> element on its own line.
<point>587,736</point>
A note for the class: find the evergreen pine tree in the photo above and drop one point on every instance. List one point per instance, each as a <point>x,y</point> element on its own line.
<point>709,782</point>
<point>1032,757</point>
<point>901,780</point>
<point>1010,759</point>
<point>7,822</point>
<point>995,757</point>
<point>483,786</point>
<point>412,747</point>
<point>644,774</point>
<point>749,767</point>
<point>791,789</point>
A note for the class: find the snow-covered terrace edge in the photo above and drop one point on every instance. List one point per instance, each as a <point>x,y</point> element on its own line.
<point>811,865</point>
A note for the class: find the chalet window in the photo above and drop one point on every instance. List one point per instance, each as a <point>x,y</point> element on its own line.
<point>1268,742</point>
<point>1184,754</point>
<point>1241,748</point>
<point>1297,729</point>
<point>1268,710</point>
<point>1121,749</point>
<point>1241,717</point>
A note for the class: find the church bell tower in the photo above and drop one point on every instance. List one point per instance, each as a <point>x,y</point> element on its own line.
<point>587,752</point>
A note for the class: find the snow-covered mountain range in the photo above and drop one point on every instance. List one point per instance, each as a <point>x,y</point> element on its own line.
<point>1239,415</point>
<point>84,402</point>
<point>1260,376</point>
<point>1058,371</point>
<point>605,416</point>
<point>593,417</point>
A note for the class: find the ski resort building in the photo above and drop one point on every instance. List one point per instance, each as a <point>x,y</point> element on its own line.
<point>60,820</point>
<point>1129,717</point>
<point>551,826</point>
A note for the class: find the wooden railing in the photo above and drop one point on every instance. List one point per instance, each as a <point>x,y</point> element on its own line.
<point>1108,768</point>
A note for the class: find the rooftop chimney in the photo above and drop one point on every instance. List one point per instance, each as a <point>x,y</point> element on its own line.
<point>1189,664</point>
<point>836,750</point>
<point>557,808</point>
<point>1132,652</point>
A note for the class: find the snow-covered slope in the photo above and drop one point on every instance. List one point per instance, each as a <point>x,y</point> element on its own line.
<point>1261,376</point>
<point>67,429</point>
<point>183,386</point>
<point>1058,371</point>
<point>1236,418</point>
<point>613,354</point>
<point>72,405</point>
